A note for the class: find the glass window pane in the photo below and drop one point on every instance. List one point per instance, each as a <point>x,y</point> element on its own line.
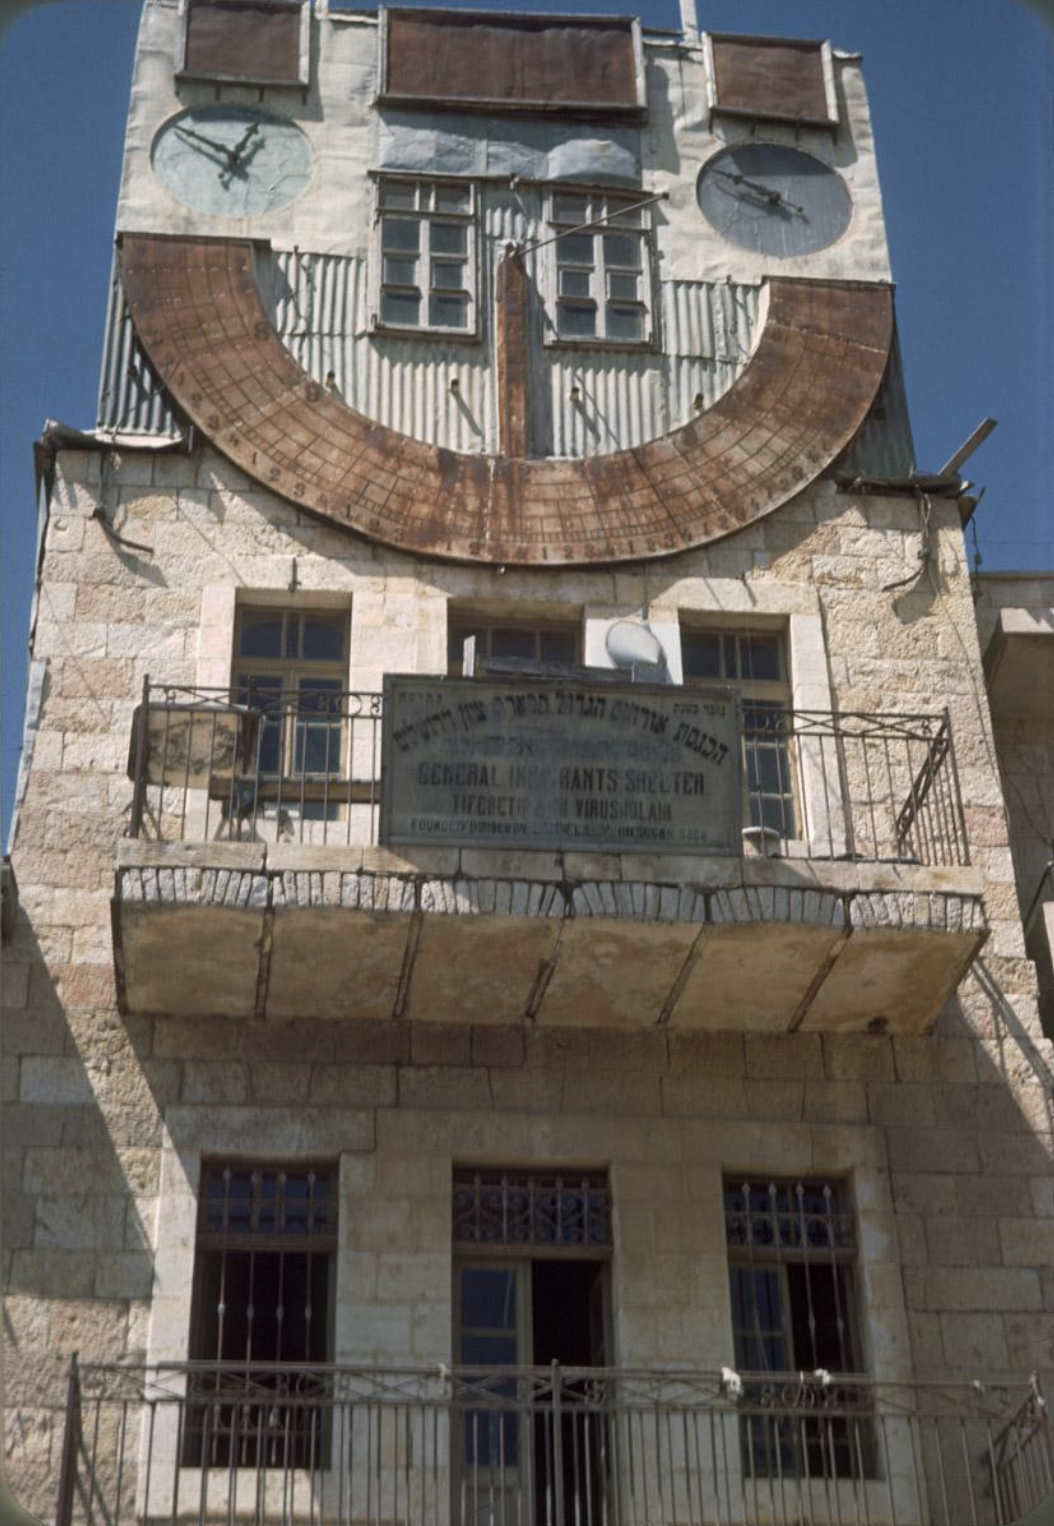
<point>401,234</point>
<point>401,307</point>
<point>624,288</point>
<point>505,641</point>
<point>323,636</point>
<point>488,1350</point>
<point>448,312</point>
<point>576,249</point>
<point>568,208</point>
<point>400,272</point>
<point>452,198</point>
<point>574,283</point>
<point>578,320</point>
<point>488,1298</point>
<point>398,193</point>
<point>557,646</point>
<point>260,633</point>
<point>449,238</point>
<point>760,656</point>
<point>618,213</point>
<point>622,249</point>
<point>625,322</point>
<point>448,275</point>
<point>701,654</point>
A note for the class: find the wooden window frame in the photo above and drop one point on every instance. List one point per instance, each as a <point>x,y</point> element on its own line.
<point>600,207</point>
<point>428,217</point>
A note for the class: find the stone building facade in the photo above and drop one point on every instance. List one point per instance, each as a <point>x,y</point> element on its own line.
<point>301,1125</point>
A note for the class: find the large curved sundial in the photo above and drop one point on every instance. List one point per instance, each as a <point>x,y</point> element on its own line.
<point>815,371</point>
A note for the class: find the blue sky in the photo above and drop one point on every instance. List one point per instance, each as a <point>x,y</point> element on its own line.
<point>963,108</point>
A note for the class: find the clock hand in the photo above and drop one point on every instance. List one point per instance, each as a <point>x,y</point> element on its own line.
<point>775,198</point>
<point>188,132</point>
<point>235,154</point>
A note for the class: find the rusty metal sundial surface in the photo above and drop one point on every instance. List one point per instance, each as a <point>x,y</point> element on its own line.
<point>816,369</point>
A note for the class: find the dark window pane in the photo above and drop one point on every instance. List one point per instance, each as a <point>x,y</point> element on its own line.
<point>488,1299</point>
<point>400,272</point>
<point>260,633</point>
<point>449,238</point>
<point>622,249</point>
<point>488,1350</point>
<point>621,216</point>
<point>398,193</point>
<point>624,288</point>
<point>701,654</point>
<point>401,307</point>
<point>448,275</point>
<point>452,198</point>
<point>760,656</point>
<point>506,641</point>
<point>625,322</point>
<point>448,312</point>
<point>576,249</point>
<point>401,234</point>
<point>558,646</point>
<point>570,209</point>
<point>323,637</point>
<point>574,283</point>
<point>576,320</point>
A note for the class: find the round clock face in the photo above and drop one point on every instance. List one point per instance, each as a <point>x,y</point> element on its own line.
<point>774,199</point>
<point>232,161</point>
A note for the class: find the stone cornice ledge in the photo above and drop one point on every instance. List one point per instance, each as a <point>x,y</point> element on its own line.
<point>567,869</point>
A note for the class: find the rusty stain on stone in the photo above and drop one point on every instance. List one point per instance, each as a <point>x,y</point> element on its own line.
<point>815,373</point>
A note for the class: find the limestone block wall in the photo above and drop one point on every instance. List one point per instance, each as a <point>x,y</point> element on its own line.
<point>946,1140</point>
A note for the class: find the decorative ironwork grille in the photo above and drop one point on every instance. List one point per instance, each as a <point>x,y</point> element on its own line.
<point>528,1209</point>
<point>792,1248</point>
<point>266,1236</point>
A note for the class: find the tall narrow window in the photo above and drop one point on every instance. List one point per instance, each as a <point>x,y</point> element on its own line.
<point>601,267</point>
<point>261,1303</point>
<point>291,666</point>
<point>791,1253</point>
<point>755,661</point>
<point>426,236</point>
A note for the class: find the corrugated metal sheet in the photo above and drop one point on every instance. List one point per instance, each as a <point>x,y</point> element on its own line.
<point>321,306</point>
<point>131,398</point>
<point>884,448</point>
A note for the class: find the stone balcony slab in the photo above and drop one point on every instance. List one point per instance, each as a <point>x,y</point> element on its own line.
<point>751,945</point>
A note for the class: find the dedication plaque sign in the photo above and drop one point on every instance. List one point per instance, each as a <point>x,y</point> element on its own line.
<point>560,764</point>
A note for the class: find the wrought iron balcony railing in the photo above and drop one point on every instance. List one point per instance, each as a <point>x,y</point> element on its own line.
<point>543,1447</point>
<point>305,765</point>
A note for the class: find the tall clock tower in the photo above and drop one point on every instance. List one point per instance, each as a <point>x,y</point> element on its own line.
<point>499,1030</point>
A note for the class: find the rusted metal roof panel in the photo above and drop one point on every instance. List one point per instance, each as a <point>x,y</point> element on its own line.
<point>512,62</point>
<point>814,373</point>
<point>257,41</point>
<point>781,79</point>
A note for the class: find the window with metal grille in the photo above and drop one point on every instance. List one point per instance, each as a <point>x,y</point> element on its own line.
<point>426,249</point>
<point>755,661</point>
<point>601,256</point>
<point>261,1314</point>
<point>792,1252</point>
<point>531,640</point>
<point>551,1211</point>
